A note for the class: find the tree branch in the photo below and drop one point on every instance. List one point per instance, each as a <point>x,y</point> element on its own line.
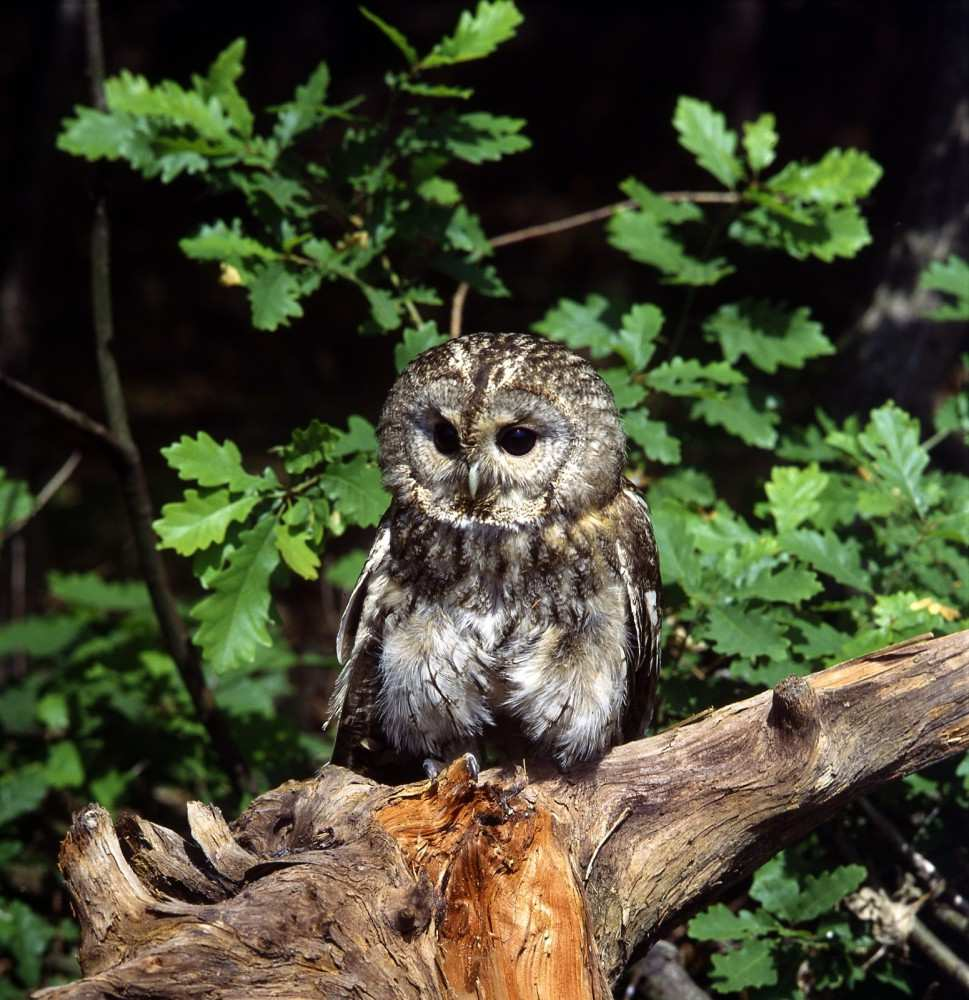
<point>573,222</point>
<point>450,889</point>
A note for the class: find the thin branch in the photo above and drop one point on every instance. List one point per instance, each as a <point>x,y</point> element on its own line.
<point>940,953</point>
<point>573,222</point>
<point>923,867</point>
<point>66,412</point>
<point>44,496</point>
<point>133,483</point>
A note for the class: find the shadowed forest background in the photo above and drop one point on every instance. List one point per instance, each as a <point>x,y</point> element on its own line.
<point>597,84</point>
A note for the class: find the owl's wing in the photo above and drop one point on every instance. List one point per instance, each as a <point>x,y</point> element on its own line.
<point>353,706</point>
<point>639,569</point>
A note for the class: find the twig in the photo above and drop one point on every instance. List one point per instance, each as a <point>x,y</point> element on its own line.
<point>623,816</point>
<point>923,867</point>
<point>581,219</point>
<point>133,483</point>
<point>44,496</point>
<point>661,976</point>
<point>940,953</point>
<point>66,412</point>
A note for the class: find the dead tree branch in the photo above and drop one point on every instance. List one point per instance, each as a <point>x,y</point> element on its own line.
<point>339,887</point>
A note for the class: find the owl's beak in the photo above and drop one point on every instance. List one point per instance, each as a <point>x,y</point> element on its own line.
<point>474,478</point>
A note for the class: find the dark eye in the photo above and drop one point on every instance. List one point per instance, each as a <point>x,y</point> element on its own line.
<point>517,440</point>
<point>446,438</point>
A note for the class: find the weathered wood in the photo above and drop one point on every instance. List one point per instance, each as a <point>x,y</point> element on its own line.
<point>524,885</point>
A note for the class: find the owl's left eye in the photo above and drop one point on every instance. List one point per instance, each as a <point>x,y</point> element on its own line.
<point>517,440</point>
<point>446,438</point>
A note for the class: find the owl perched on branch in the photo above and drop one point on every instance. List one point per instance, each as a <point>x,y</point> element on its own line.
<point>511,597</point>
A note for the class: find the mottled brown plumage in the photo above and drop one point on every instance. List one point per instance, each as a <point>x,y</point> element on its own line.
<point>512,591</point>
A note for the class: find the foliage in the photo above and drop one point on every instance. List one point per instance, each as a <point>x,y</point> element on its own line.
<point>102,716</point>
<point>788,540</point>
<point>380,194</point>
<point>797,921</point>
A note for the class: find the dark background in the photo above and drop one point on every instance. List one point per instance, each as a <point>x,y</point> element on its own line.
<point>597,83</point>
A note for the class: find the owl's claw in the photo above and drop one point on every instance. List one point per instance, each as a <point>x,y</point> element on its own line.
<point>474,768</point>
<point>432,767</point>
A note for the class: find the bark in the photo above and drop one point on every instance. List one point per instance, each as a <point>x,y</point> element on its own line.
<point>530,883</point>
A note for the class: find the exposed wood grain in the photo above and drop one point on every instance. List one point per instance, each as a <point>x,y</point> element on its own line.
<point>339,887</point>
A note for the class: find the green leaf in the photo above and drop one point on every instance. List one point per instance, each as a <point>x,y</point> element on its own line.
<point>308,446</point>
<point>26,936</point>
<point>891,439</point>
<point>636,341</point>
<point>168,104</point>
<point>792,494</point>
<point>745,631</point>
<point>704,133</point>
<point>361,435</point>
<point>439,190</point>
<point>830,554</point>
<point>779,891</point>
<point>108,788</point>
<point>841,177</point>
<point>688,486</point>
<point>16,501</point>
<point>21,791</point>
<point>951,277</point>
<point>752,964</point>
<point>64,766</point>
<point>652,436</point>
<point>396,36</point>
<point>774,888</point>
<point>52,711</point>
<point>823,892</point>
<point>100,135</point>
<point>218,241</point>
<point>824,232</point>
<point>416,340</point>
<point>821,641</point>
<point>39,636</point>
<point>736,413</point>
<point>384,308</point>
<point>221,84</point>
<point>88,590</point>
<point>767,334</point>
<point>202,460</point>
<point>689,377</point>
<point>356,489</point>
<point>274,296</point>
<point>234,618</point>
<point>345,571</point>
<point>199,521</point>
<point>307,109</point>
<point>434,89</point>
<point>626,393</point>
<point>790,585</point>
<point>480,137</point>
<point>760,142</point>
<point>295,548</point>
<point>477,35</point>
<point>720,923</point>
<point>578,325</point>
<point>643,233</point>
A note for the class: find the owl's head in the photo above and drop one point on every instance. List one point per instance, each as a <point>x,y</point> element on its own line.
<point>503,429</point>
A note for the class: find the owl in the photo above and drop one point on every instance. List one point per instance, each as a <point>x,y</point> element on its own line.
<point>511,596</point>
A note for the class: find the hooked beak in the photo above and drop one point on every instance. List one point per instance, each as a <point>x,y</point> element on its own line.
<point>474,478</point>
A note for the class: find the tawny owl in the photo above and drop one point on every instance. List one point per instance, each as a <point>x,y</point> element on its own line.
<point>511,597</point>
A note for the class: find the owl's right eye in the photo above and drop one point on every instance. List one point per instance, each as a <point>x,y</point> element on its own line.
<point>446,438</point>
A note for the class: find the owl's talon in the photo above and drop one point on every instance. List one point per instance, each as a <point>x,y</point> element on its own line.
<point>432,767</point>
<point>474,768</point>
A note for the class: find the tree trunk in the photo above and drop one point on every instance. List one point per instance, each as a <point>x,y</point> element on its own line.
<point>530,883</point>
